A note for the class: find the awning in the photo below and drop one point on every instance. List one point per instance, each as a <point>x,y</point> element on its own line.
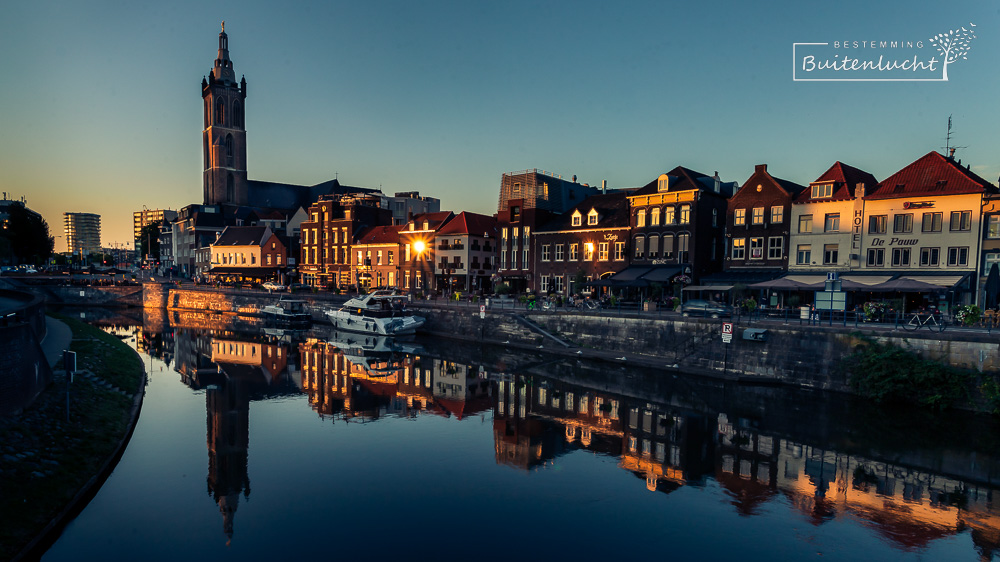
<point>807,279</point>
<point>866,279</point>
<point>708,288</point>
<point>782,283</point>
<point>942,281</point>
<point>661,274</point>
<point>629,273</point>
<point>904,285</point>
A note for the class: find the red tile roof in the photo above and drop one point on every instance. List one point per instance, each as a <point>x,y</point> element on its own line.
<point>470,223</point>
<point>932,174</point>
<point>845,179</point>
<point>380,235</point>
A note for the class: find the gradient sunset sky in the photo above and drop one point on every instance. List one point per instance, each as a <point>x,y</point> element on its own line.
<point>101,101</point>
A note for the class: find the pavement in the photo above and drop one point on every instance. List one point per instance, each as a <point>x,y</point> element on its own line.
<point>57,338</point>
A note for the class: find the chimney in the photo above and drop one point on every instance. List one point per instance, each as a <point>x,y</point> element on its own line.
<point>574,178</point>
<point>859,190</point>
<point>718,182</point>
<point>604,186</point>
<point>760,168</point>
<point>951,154</point>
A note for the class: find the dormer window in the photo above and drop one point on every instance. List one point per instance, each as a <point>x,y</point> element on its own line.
<point>427,225</point>
<point>577,218</point>
<point>663,183</point>
<point>822,190</point>
<point>592,217</point>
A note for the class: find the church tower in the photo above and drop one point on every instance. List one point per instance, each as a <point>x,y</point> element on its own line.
<point>224,140</point>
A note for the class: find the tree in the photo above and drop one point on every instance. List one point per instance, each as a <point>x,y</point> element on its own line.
<point>149,241</point>
<point>26,237</point>
<point>953,45</point>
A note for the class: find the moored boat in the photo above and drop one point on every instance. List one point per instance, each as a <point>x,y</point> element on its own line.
<point>380,312</point>
<point>287,312</point>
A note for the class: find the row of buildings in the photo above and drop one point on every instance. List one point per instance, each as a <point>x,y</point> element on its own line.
<point>933,225</point>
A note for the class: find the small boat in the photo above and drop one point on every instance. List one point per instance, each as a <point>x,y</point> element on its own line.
<point>287,312</point>
<point>377,356</point>
<point>380,313</point>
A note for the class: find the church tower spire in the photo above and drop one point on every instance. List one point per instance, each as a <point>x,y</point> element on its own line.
<point>224,137</point>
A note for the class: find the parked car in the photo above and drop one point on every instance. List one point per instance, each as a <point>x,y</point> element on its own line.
<point>698,307</point>
<point>272,286</point>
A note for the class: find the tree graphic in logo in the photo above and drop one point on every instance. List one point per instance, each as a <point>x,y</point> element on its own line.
<point>953,45</point>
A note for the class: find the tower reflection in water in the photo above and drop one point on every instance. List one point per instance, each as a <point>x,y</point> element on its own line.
<point>665,431</point>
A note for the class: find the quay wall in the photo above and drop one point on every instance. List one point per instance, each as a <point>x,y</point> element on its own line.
<point>24,371</point>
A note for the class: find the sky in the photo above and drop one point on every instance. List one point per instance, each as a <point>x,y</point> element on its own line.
<point>101,110</point>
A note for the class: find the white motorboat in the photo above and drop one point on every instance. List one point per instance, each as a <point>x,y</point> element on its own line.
<point>378,356</point>
<point>380,313</point>
<point>286,312</point>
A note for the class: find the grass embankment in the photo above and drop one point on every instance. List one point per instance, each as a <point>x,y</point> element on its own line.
<point>47,454</point>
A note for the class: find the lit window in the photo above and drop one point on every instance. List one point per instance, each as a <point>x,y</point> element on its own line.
<point>740,217</point>
<point>777,214</point>
<point>758,215</point>
<point>640,218</point>
<point>739,248</point>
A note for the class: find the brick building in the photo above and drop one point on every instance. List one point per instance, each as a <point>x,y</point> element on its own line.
<point>757,224</point>
<point>417,244</point>
<point>328,235</point>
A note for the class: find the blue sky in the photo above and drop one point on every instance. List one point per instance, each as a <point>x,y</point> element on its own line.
<point>100,105</point>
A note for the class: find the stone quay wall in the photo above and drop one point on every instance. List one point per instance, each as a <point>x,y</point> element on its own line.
<point>24,371</point>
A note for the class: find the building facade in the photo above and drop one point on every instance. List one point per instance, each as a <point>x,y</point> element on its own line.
<point>417,244</point>
<point>757,224</point>
<point>194,231</point>
<point>83,233</point>
<point>539,189</point>
<point>248,253</point>
<point>224,138</point>
<point>330,232</point>
<point>588,243</point>
<point>376,259</point>
<point>140,219</point>
<point>466,253</point>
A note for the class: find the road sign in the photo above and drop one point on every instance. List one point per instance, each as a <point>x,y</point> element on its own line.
<point>727,332</point>
<point>482,311</point>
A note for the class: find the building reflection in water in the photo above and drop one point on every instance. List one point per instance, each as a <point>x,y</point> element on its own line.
<point>666,436</point>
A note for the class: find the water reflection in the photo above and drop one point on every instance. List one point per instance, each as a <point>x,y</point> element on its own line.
<point>912,479</point>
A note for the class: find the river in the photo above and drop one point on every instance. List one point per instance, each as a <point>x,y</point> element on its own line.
<point>277,445</point>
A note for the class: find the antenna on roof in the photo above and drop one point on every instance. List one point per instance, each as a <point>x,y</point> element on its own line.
<point>948,149</point>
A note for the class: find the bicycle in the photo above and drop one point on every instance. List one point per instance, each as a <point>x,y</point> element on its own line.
<point>930,320</point>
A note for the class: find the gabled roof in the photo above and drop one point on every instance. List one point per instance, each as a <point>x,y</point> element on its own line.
<point>243,236</point>
<point>932,174</point>
<point>791,189</point>
<point>470,223</point>
<point>845,179</point>
<point>434,220</point>
<point>380,235</point>
<point>612,212</point>
<point>686,179</point>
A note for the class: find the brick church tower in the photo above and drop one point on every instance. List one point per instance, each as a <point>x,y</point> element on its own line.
<point>224,139</point>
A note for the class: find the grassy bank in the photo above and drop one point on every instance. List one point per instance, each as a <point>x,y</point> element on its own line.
<point>50,451</point>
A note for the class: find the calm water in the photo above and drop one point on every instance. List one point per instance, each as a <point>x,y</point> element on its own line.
<point>286,446</point>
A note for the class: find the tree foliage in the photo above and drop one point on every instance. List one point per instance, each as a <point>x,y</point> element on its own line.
<point>25,237</point>
<point>149,241</point>
<point>886,373</point>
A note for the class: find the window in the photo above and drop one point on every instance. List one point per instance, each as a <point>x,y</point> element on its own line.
<point>559,251</point>
<point>930,257</point>
<point>805,224</point>
<point>900,257</point>
<point>545,284</point>
<point>668,215</point>
<point>578,219</point>
<point>557,280</point>
<point>619,251</point>
<point>685,214</point>
<point>602,251</point>
<point>390,258</point>
<point>220,112</point>
<point>958,256</point>
<point>961,220</point>
<point>588,251</point>
<point>876,257</point>
<point>574,252</point>
<point>545,252</point>
<point>777,214</point>
<point>229,150</point>
<point>592,217</point>
<point>527,234</point>
<point>715,218</point>
<point>524,259</point>
<point>822,190</point>
<point>830,254</point>
<point>832,223</point>
<point>993,226</point>
<point>654,246</point>
<point>739,248</point>
<point>803,254</point>
<point>683,245</point>
<point>503,259</point>
<point>640,218</point>
<point>503,235</point>
<point>517,188</point>
<point>932,222</point>
<point>775,247</point>
<point>902,223</point>
<point>639,244</point>
<point>877,224</point>
<point>740,217</point>
<point>663,183</point>
<point>757,248</point>
<point>668,246</point>
<point>989,260</point>
<point>758,215</point>
<point>379,258</point>
<point>654,217</point>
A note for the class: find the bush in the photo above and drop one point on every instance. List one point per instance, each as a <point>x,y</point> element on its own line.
<point>889,374</point>
<point>968,314</point>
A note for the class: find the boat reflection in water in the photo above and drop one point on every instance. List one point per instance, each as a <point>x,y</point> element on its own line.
<point>825,457</point>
